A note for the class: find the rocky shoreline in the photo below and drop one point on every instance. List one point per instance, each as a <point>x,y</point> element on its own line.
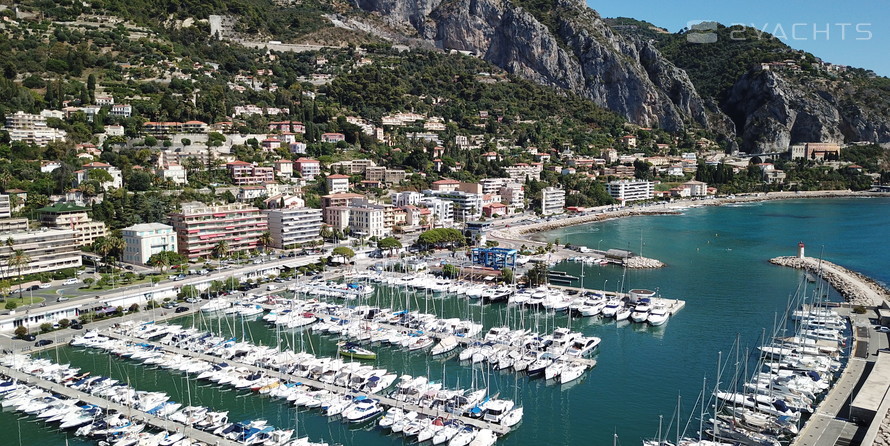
<point>856,288</point>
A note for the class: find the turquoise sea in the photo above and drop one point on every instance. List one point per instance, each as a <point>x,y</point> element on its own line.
<point>716,260</point>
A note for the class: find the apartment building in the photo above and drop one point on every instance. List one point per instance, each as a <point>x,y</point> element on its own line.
<point>73,217</point>
<point>244,173</point>
<point>145,240</point>
<point>466,205</point>
<point>553,201</point>
<point>441,211</point>
<point>199,227</point>
<point>308,168</point>
<point>627,190</point>
<point>295,226</point>
<point>32,129</point>
<point>337,184</point>
<point>49,250</point>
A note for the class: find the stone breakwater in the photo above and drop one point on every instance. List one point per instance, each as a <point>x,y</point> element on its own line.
<point>856,288</point>
<point>643,263</point>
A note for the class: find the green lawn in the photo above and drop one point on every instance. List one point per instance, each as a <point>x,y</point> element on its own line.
<point>25,300</point>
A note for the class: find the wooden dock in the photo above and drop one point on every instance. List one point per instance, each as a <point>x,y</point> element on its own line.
<point>384,400</point>
<point>135,415</point>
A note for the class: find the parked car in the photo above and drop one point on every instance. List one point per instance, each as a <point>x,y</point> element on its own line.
<point>43,342</point>
<point>182,309</point>
<point>62,299</point>
<point>76,326</point>
<point>29,337</point>
<point>44,286</point>
<point>191,300</point>
<point>70,281</point>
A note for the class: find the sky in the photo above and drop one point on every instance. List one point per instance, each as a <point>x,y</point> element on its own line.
<point>844,32</point>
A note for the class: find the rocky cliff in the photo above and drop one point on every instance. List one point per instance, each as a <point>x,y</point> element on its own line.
<point>574,50</point>
<point>772,111</point>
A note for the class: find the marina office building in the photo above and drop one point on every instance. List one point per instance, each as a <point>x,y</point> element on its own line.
<point>295,226</point>
<point>626,190</point>
<point>49,250</point>
<point>199,227</point>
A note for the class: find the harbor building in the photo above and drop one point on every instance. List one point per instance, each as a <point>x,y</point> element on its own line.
<point>145,240</point>
<point>553,201</point>
<point>74,217</point>
<point>626,190</point>
<point>200,227</point>
<point>49,250</point>
<point>295,226</point>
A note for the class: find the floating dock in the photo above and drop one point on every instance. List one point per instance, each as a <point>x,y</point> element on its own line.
<point>133,414</point>
<point>384,400</point>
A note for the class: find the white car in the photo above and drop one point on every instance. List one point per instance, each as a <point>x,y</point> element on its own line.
<point>70,281</point>
<point>44,286</point>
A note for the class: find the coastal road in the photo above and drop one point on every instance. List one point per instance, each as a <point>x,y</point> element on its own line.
<point>830,424</point>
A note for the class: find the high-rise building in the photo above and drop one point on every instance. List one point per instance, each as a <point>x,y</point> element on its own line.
<point>295,226</point>
<point>199,227</point>
<point>553,201</point>
<point>145,240</point>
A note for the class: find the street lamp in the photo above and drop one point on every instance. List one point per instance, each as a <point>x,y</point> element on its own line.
<point>599,244</point>
<point>604,286</point>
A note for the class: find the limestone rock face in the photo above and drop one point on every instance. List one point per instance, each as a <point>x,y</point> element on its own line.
<point>578,52</point>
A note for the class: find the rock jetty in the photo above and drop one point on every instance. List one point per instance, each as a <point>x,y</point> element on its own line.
<point>638,262</point>
<point>854,287</point>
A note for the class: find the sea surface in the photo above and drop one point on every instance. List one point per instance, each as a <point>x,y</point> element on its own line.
<point>716,261</point>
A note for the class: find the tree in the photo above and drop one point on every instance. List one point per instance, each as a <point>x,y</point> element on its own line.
<point>450,271</point>
<point>537,275</point>
<point>46,327</point>
<point>265,240</point>
<point>18,260</point>
<point>166,259</point>
<point>232,283</point>
<point>389,243</point>
<point>21,331</point>
<point>11,305</point>
<point>220,249</point>
<point>134,308</point>
<point>342,251</point>
<point>441,237</point>
<point>187,291</point>
<point>507,275</point>
<point>88,281</point>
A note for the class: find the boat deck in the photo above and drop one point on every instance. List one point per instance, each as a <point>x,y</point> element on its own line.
<point>384,400</point>
<point>136,415</point>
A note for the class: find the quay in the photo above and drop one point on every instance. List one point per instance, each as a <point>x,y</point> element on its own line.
<point>854,287</point>
<point>834,421</point>
<point>384,400</point>
<point>463,341</point>
<point>136,415</point>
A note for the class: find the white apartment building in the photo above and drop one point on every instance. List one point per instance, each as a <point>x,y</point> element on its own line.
<point>553,201</point>
<point>32,129</point>
<point>73,217</point>
<point>5,206</point>
<point>513,195</point>
<point>441,211</point>
<point>295,226</point>
<point>368,221</point>
<point>522,171</point>
<point>466,205</point>
<point>49,250</point>
<point>400,199</point>
<point>337,184</point>
<point>145,240</point>
<point>626,190</point>
<point>493,185</point>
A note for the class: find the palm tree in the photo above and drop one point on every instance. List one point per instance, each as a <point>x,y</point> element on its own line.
<point>19,259</point>
<point>10,243</point>
<point>220,249</point>
<point>265,240</point>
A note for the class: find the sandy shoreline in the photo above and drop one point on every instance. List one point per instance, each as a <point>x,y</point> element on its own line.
<point>516,233</point>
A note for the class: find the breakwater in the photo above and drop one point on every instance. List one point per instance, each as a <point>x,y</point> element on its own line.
<point>856,288</point>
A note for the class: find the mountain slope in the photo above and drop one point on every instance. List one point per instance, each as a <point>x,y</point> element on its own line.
<point>567,46</point>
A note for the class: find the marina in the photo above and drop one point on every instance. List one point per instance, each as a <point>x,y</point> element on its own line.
<point>732,291</point>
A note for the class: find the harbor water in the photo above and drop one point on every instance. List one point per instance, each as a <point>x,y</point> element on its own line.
<point>716,261</point>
